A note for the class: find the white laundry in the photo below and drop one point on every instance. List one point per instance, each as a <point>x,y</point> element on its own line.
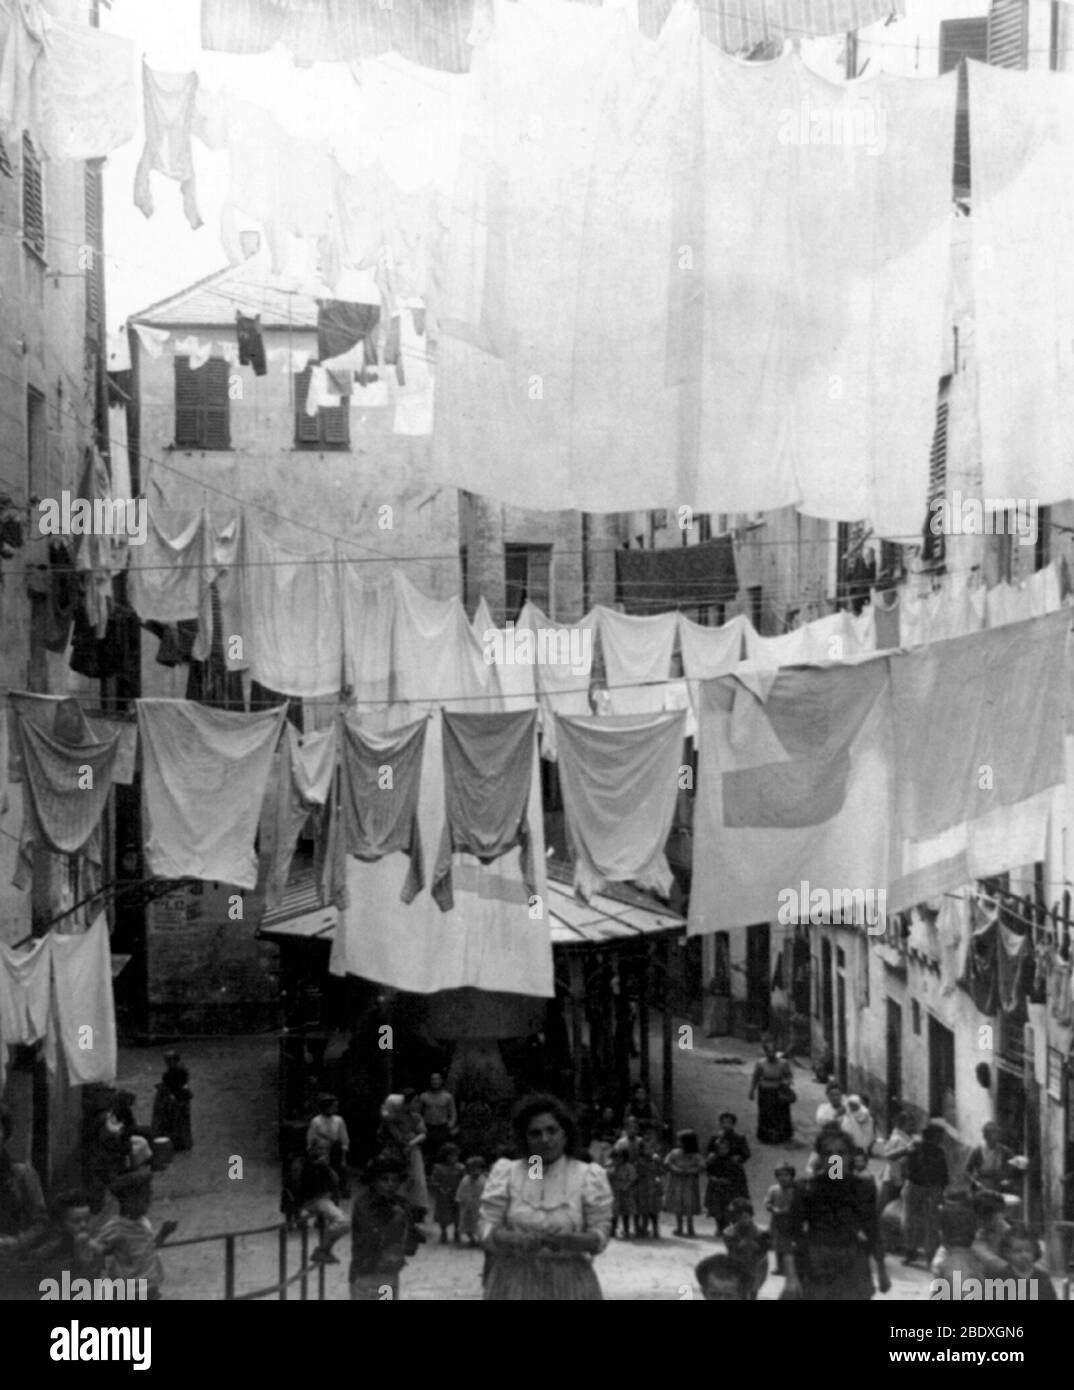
<point>85,1006</point>
<point>637,659</point>
<point>171,574</point>
<point>204,776</point>
<point>562,686</point>
<point>368,622</point>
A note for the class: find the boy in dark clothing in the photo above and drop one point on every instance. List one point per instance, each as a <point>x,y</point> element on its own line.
<point>380,1232</point>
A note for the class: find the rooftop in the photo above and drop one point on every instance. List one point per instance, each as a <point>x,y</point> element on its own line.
<point>247,288</point>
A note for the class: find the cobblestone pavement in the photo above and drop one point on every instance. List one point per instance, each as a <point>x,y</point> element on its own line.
<point>234,1117</point>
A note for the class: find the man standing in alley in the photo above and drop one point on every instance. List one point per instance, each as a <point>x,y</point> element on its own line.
<point>437,1108</point>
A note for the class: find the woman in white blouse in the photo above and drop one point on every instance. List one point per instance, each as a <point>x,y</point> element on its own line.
<point>545,1216</point>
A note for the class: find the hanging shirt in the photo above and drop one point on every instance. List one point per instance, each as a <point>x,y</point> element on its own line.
<point>251,344</point>
<point>204,775</point>
<point>169,114</point>
<point>488,768</point>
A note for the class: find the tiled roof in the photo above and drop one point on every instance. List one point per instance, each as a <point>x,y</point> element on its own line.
<point>247,288</point>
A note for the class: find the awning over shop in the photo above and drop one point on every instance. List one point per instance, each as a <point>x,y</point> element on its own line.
<point>604,920</point>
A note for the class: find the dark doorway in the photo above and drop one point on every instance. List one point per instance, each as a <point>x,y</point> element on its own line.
<point>894,1060</point>
<point>827,1016</point>
<point>1068,1126</point>
<point>758,978</point>
<point>841,1034</point>
<point>941,1071</point>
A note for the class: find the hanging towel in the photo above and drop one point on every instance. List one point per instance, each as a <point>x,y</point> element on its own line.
<point>561,658</point>
<point>86,94</point>
<point>1012,950</point>
<point>102,730</point>
<point>251,343</point>
<point>203,782</point>
<point>488,767</point>
<point>68,789</point>
<point>171,574</point>
<point>493,939</point>
<point>380,783</point>
<point>1022,137</point>
<point>342,326</point>
<point>708,652</point>
<point>286,605</point>
<point>368,621</point>
<point>22,45</point>
<point>972,731</point>
<point>82,972</point>
<point>793,787</point>
<point>518,689</point>
<point>637,659</point>
<point>981,978</point>
<point>300,782</point>
<point>25,977</point>
<point>436,658</point>
<point>169,114</point>
<point>620,780</point>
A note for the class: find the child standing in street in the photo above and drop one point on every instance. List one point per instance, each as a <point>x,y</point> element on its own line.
<point>649,1193</point>
<point>727,1180</point>
<point>747,1244</point>
<point>623,1177</point>
<point>444,1182</point>
<point>777,1203</point>
<point>684,1165</point>
<point>469,1197</point>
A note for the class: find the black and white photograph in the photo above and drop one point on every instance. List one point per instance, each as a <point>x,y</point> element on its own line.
<point>536,671</point>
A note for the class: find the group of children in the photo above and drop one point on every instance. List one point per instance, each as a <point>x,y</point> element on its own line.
<point>456,1189</point>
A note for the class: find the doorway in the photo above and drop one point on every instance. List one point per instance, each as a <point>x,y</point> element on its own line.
<point>758,981</point>
<point>894,1060</point>
<point>827,1017</point>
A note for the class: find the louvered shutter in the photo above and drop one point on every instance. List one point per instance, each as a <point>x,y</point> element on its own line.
<point>33,198</point>
<point>1008,34</point>
<point>215,404</point>
<point>933,547</point>
<point>5,162</point>
<point>307,427</point>
<point>962,38</point>
<point>95,242</point>
<point>335,422</point>
<point>187,406</point>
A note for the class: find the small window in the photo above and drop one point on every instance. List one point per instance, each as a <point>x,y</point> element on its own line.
<point>704,527</point>
<point>330,428</point>
<point>202,405</point>
<point>527,575</point>
<point>33,199</point>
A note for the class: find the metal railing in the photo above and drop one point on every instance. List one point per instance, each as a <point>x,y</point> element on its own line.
<point>301,1275</point>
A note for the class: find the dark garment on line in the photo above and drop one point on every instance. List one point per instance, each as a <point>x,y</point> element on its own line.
<point>377,819</point>
<point>251,344</point>
<point>488,769</point>
<point>59,587</point>
<point>341,325</point>
<point>176,641</point>
<point>706,572</point>
<point>981,976</point>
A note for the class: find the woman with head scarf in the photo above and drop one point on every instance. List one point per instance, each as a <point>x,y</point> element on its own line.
<point>544,1216</point>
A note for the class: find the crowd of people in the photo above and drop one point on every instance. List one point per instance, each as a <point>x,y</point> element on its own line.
<point>101,1228</point>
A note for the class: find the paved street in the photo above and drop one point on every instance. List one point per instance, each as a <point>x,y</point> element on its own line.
<point>234,1083</point>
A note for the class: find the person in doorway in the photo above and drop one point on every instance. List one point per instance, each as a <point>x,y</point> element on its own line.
<point>722,1280</point>
<point>546,1215</point>
<point>771,1084</point>
<point>380,1232</point>
<point>171,1105</point>
<point>835,1231</point>
<point>436,1106</point>
<point>329,1127</point>
<point>684,1165</point>
<point>926,1178</point>
<point>834,1108</point>
<point>989,1164</point>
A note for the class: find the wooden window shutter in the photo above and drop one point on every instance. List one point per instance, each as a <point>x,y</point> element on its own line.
<point>1008,34</point>
<point>187,403</point>
<point>933,547</point>
<point>335,422</point>
<point>5,162</point>
<point>962,38</point>
<point>307,427</point>
<point>215,404</point>
<point>95,242</point>
<point>33,198</point>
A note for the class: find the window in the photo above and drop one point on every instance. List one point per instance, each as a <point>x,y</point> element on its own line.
<point>1008,34</point>
<point>5,162</point>
<point>33,199</point>
<point>202,405</point>
<point>754,598</point>
<point>94,243</point>
<point>330,428</point>
<point>704,527</point>
<point>932,548</point>
<point>527,575</point>
<point>1042,550</point>
<point>962,38</point>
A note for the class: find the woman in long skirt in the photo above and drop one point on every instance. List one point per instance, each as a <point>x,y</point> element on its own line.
<point>772,1077</point>
<point>544,1216</point>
